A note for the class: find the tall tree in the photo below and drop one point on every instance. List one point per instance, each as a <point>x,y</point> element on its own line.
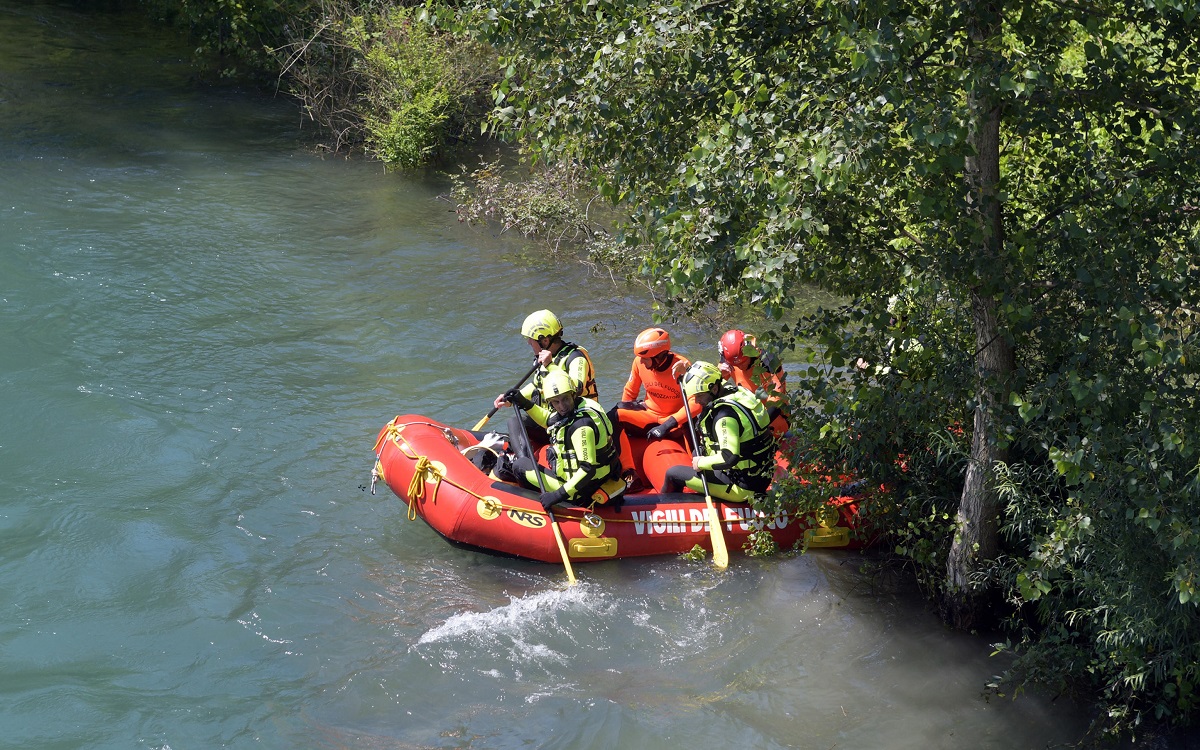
<point>976,535</point>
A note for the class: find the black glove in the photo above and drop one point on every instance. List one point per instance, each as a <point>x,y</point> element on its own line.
<point>550,498</point>
<point>516,398</point>
<point>773,412</point>
<point>660,432</point>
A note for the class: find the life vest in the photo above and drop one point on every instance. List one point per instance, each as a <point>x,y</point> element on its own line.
<point>757,441</point>
<point>563,360</point>
<point>566,461</point>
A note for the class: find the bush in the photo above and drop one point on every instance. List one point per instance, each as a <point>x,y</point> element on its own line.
<point>380,78</point>
<point>554,205</point>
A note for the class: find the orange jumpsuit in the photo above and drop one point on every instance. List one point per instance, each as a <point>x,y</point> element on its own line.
<point>663,397</point>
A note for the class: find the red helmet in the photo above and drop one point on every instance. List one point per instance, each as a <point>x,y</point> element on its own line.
<point>737,349</point>
<point>652,342</point>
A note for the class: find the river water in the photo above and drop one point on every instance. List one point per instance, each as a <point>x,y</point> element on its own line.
<point>203,324</point>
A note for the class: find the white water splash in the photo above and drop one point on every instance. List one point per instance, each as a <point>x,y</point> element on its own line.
<point>522,614</point>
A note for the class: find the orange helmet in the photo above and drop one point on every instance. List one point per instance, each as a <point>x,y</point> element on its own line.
<point>652,342</point>
<point>737,349</point>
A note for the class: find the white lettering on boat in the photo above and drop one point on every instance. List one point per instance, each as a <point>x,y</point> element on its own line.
<point>659,521</point>
<point>747,519</point>
<point>695,520</point>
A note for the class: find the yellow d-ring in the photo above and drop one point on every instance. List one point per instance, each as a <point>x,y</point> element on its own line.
<point>488,507</point>
<point>828,516</point>
<point>434,471</point>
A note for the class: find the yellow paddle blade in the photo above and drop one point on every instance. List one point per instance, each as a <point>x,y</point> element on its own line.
<point>720,551</point>
<point>562,548</point>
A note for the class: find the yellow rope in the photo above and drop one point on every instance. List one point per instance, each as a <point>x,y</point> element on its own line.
<point>416,487</point>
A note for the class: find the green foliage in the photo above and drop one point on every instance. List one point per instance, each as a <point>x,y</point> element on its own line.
<point>695,554</point>
<point>765,145</point>
<point>418,84</point>
<point>760,543</point>
<point>553,205</point>
<point>882,421</point>
<point>546,205</point>
<point>375,75</point>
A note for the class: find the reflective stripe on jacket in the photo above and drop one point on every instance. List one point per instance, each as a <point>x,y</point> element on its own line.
<point>573,360</point>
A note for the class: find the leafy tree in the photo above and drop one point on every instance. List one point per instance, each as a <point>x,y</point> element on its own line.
<point>1021,176</point>
<point>366,73</point>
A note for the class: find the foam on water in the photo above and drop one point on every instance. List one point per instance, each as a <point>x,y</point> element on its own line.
<point>515,618</point>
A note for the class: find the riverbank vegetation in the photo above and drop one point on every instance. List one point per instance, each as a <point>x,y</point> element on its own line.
<point>369,74</point>
<point>1007,194</point>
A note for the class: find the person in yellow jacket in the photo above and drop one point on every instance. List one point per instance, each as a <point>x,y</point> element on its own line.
<point>737,454</point>
<point>544,333</point>
<point>585,467</point>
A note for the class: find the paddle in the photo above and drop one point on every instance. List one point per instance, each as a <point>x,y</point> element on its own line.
<point>558,537</point>
<point>479,425</point>
<point>720,551</point>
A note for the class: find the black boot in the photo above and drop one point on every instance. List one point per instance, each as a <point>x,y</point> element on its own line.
<point>504,469</point>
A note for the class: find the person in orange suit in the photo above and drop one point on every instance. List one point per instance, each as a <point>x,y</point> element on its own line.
<point>655,369</point>
<point>743,363</point>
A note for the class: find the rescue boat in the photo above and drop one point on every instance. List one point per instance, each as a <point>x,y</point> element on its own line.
<point>429,466</point>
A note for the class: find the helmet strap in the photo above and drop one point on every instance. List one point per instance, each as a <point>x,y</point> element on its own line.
<point>555,418</point>
<point>660,361</point>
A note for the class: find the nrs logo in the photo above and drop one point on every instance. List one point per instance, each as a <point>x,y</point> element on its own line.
<point>527,519</point>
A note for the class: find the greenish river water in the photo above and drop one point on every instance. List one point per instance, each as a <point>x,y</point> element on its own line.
<point>203,324</point>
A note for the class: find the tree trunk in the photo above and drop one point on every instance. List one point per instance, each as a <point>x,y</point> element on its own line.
<point>976,536</point>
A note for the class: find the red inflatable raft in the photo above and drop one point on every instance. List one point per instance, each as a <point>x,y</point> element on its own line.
<point>427,465</point>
